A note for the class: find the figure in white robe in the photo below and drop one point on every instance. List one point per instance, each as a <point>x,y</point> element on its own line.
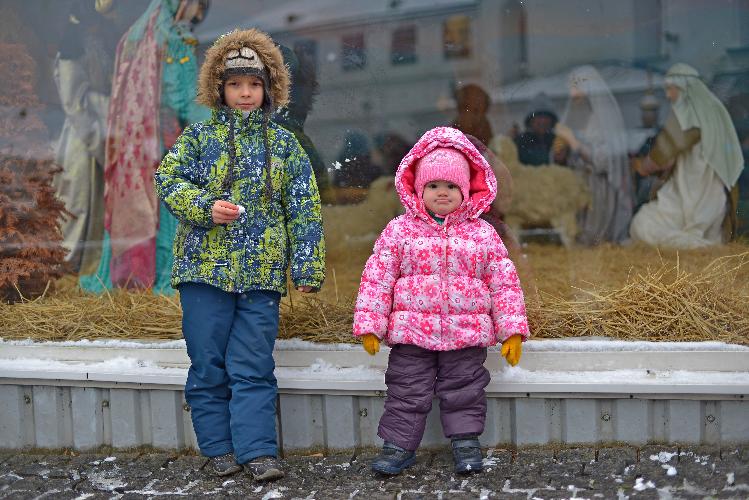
<point>83,73</point>
<point>593,128</point>
<point>699,156</point>
<point>80,151</point>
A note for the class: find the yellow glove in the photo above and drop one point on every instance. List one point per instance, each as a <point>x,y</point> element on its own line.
<point>512,348</point>
<point>371,343</point>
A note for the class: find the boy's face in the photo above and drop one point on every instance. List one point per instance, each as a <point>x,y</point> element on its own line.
<point>244,92</point>
<point>442,197</point>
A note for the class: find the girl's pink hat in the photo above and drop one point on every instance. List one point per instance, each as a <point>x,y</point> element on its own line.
<point>443,164</point>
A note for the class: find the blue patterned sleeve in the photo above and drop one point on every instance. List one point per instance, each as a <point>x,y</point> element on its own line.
<point>303,219</point>
<point>175,184</point>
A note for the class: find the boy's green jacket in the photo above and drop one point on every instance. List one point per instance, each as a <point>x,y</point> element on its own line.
<point>253,252</point>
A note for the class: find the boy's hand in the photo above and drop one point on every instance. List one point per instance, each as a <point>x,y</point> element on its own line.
<point>224,212</point>
<point>371,343</point>
<point>512,348</point>
<point>304,289</point>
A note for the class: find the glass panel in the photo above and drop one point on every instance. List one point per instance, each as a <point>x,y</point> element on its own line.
<point>618,131</point>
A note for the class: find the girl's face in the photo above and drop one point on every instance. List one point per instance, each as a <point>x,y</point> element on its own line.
<point>244,92</point>
<point>442,197</point>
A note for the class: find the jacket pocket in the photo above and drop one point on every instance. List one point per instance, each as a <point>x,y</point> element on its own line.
<point>271,248</point>
<point>198,244</point>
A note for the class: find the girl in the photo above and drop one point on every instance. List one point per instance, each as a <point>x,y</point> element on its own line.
<point>439,289</point>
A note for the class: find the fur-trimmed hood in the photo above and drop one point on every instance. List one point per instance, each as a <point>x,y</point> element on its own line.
<point>211,73</point>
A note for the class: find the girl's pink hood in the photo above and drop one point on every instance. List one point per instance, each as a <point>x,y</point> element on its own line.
<point>483,186</point>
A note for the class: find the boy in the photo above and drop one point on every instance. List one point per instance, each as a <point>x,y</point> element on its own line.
<point>243,191</point>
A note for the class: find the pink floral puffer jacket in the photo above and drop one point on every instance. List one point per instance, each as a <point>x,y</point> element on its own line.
<point>441,287</point>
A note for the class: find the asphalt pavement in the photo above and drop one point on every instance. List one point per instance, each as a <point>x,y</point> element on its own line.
<point>663,472</point>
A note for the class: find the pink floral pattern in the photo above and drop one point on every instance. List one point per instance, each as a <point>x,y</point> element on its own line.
<point>441,287</point>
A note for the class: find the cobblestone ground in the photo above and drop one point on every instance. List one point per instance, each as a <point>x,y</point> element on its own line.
<point>648,472</point>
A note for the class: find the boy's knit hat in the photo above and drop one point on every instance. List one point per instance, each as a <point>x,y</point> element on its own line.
<point>443,164</point>
<point>245,61</point>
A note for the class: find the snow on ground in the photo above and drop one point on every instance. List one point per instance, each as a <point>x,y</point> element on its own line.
<point>123,344</point>
<point>318,370</point>
<point>520,375</point>
<point>321,370</point>
<point>129,366</point>
<point>281,344</point>
<point>603,344</point>
<point>577,344</point>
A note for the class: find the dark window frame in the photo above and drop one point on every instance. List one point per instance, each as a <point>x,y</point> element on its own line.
<point>403,45</point>
<point>353,52</point>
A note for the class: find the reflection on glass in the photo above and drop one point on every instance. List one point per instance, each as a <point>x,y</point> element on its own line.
<point>380,74</point>
<point>153,97</point>
<point>593,129</point>
<point>83,75</point>
<point>353,52</point>
<point>403,45</point>
<point>699,150</point>
<point>30,241</point>
<point>642,139</point>
<point>473,106</point>
<point>304,87</point>
<point>456,37</point>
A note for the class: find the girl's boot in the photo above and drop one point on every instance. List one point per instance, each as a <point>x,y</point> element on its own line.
<point>467,455</point>
<point>393,459</point>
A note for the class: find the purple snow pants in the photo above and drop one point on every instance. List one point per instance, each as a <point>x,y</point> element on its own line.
<point>414,375</point>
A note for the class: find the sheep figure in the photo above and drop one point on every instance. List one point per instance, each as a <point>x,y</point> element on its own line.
<point>349,228</point>
<point>542,195</point>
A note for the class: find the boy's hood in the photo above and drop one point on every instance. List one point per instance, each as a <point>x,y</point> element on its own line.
<point>483,187</point>
<point>210,79</point>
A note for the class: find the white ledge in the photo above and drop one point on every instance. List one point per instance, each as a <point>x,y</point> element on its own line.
<point>556,355</point>
<point>330,379</point>
<point>596,367</point>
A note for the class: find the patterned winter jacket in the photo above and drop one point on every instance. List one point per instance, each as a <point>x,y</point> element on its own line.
<point>441,287</point>
<point>253,252</point>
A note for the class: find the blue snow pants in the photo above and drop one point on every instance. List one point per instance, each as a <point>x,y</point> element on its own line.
<point>230,386</point>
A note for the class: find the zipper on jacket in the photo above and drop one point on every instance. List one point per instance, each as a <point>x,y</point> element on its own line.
<point>443,282</point>
<point>239,230</point>
<point>244,233</point>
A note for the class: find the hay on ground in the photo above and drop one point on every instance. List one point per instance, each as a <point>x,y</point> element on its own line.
<point>668,304</point>
<point>317,321</point>
<point>71,315</point>
<point>647,295</point>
